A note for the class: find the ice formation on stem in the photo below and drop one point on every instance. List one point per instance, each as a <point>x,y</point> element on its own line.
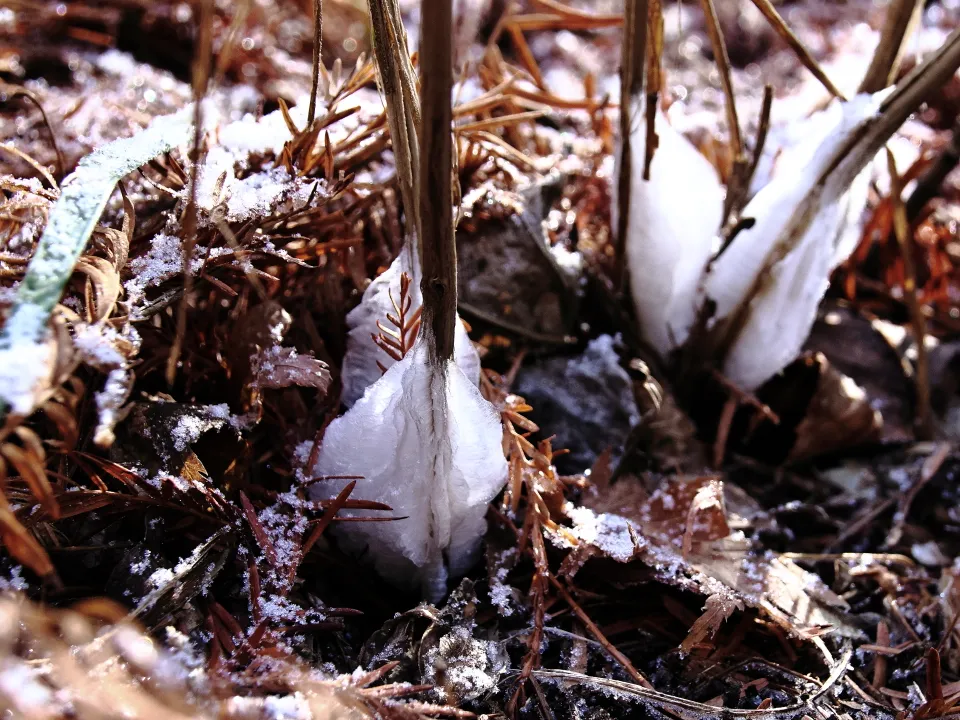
<point>768,283</point>
<point>428,445</point>
<point>671,232</point>
<point>780,267</point>
<point>361,364</point>
<point>422,437</point>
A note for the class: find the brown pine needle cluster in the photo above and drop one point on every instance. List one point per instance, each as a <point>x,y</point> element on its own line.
<point>397,341</point>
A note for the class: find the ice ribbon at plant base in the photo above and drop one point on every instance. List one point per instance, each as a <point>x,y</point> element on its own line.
<point>770,281</point>
<point>360,369</point>
<point>429,445</point>
<point>673,223</point>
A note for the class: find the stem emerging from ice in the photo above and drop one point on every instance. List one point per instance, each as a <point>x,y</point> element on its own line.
<point>437,240</point>
<point>910,93</point>
<point>631,100</point>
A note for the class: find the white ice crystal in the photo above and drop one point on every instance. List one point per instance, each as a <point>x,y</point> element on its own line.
<point>803,229</point>
<point>360,369</point>
<point>673,222</point>
<point>426,443</point>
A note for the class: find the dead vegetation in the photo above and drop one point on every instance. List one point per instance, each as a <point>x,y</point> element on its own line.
<point>779,554</point>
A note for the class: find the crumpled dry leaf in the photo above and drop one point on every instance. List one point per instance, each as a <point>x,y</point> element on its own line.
<point>717,609</point>
<point>721,564</point>
<point>104,283</point>
<point>839,416</point>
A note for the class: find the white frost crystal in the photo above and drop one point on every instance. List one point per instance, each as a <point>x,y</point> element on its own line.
<point>360,369</point>
<point>802,232</point>
<point>426,443</point>
<point>673,223</point>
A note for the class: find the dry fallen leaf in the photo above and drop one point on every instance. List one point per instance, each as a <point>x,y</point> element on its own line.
<point>722,565</point>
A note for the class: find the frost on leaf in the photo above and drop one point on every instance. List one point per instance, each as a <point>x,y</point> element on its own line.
<point>427,444</point>
<point>363,360</point>
<point>193,576</point>
<point>280,367</point>
<point>682,532</point>
<point>673,222</point>
<point>84,194</point>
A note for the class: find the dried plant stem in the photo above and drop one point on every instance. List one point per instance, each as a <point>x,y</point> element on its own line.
<point>317,48</point>
<point>923,421</point>
<point>722,61</point>
<point>902,18</point>
<point>399,87</point>
<point>654,79</point>
<point>762,130</point>
<point>631,94</point>
<point>738,184</point>
<point>786,34</point>
<point>437,243</point>
<point>229,45</point>
<point>201,81</point>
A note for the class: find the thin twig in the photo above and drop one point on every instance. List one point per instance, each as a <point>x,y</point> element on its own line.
<point>600,637</point>
<point>15,91</point>
<point>39,167</point>
<point>786,34</point>
<point>722,61</point>
<point>317,48</point>
<point>928,184</point>
<point>931,466</point>
<point>739,181</point>
<point>201,77</point>
<point>702,711</point>
<point>229,45</point>
<point>762,129</point>
<point>437,243</point>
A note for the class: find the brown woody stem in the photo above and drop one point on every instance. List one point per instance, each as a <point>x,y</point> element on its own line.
<point>631,93</point>
<point>901,19</point>
<point>437,241</point>
<point>317,49</point>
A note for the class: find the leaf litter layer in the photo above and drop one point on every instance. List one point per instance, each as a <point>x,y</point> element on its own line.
<point>176,537</point>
